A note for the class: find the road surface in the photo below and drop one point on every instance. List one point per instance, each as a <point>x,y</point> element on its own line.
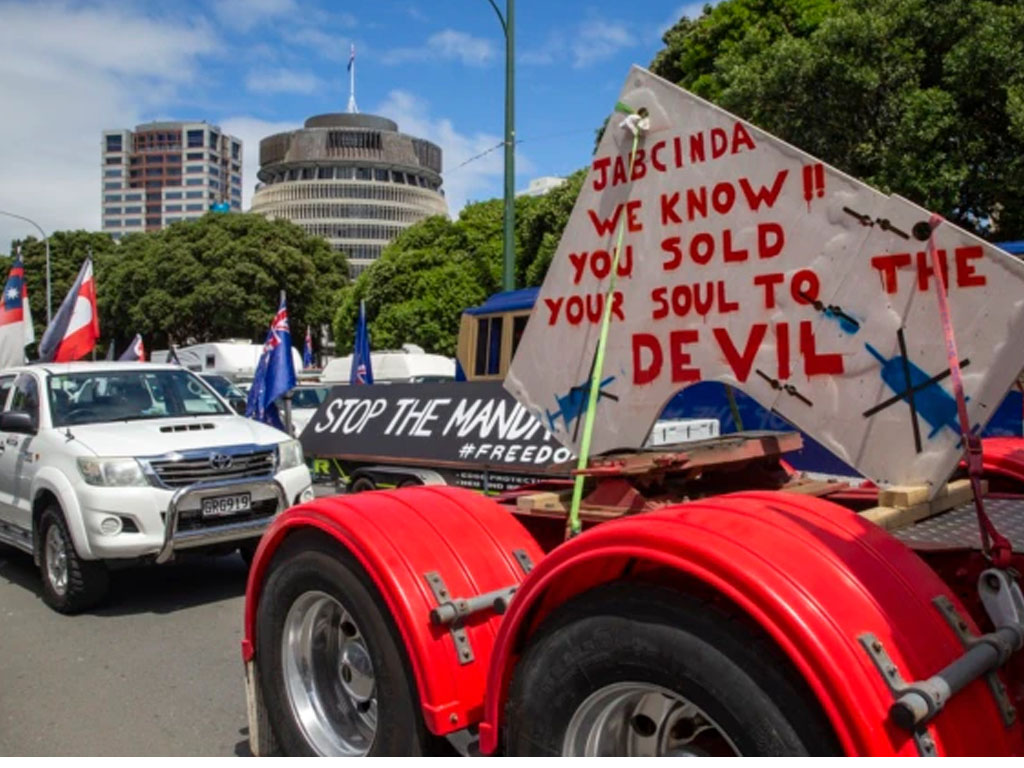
<point>155,670</point>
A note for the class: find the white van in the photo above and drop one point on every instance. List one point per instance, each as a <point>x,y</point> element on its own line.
<point>408,364</point>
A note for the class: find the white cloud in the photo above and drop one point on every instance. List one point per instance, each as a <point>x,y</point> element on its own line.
<point>251,130</point>
<point>246,14</point>
<point>478,180</point>
<point>66,74</point>
<point>598,40</point>
<point>281,81</point>
<point>447,45</point>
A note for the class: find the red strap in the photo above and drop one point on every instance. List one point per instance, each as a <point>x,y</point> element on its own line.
<point>993,544</point>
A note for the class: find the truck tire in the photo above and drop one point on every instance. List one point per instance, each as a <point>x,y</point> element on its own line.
<point>333,676</point>
<point>70,584</point>
<point>639,670</point>
<point>362,484</point>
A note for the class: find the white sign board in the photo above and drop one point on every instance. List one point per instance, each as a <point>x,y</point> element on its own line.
<point>749,262</point>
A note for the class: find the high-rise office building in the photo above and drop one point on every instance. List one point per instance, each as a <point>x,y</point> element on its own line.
<point>352,179</point>
<point>165,172</point>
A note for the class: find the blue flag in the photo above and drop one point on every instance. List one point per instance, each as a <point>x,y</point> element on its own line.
<point>362,367</point>
<point>307,350</point>
<point>275,372</point>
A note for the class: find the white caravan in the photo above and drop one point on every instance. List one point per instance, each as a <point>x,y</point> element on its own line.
<point>236,360</point>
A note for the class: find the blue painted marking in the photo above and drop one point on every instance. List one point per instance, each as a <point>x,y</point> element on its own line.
<point>573,404</point>
<point>844,322</point>
<point>934,404</point>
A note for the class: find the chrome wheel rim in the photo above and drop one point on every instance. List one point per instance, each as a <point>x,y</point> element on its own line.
<point>56,561</point>
<point>643,720</point>
<point>329,677</point>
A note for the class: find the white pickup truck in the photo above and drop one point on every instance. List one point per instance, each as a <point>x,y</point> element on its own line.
<point>107,462</point>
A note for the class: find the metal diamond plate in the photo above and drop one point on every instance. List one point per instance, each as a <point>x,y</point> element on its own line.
<point>959,527</point>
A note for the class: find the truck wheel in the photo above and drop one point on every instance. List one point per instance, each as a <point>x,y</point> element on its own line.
<point>637,670</point>
<point>334,679</point>
<point>363,484</point>
<point>70,584</point>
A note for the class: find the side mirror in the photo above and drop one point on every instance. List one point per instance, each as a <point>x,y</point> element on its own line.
<point>17,421</point>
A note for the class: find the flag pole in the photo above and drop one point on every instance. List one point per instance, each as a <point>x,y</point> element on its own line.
<point>287,395</point>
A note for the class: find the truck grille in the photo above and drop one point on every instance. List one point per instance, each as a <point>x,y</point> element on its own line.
<point>176,473</point>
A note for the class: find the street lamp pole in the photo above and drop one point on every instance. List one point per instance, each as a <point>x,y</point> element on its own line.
<point>46,241</point>
<point>508,25</point>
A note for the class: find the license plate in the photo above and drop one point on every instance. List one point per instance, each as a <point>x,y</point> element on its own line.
<point>219,506</point>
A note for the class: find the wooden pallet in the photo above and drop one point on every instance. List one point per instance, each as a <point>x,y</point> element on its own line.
<point>902,506</point>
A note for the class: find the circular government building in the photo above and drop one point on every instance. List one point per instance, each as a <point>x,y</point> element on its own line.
<point>352,179</point>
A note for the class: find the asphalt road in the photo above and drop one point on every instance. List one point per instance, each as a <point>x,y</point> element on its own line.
<point>155,670</point>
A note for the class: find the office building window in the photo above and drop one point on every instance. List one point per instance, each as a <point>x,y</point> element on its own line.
<point>111,222</point>
<point>152,221</point>
<point>173,208</point>
<point>173,170</point>
<point>193,195</point>
<point>114,143</point>
<point>154,184</point>
<point>214,184</point>
<point>112,185</point>
<point>112,211</point>
<point>195,138</point>
<point>193,182</point>
<point>194,207</point>
<point>363,174</point>
<point>214,138</point>
<point>133,222</point>
<point>174,158</point>
<point>132,197</point>
<point>154,159</point>
<point>380,174</point>
<point>236,150</point>
<point>157,171</point>
<point>113,161</point>
<point>238,179</point>
<point>194,156</point>
<point>172,219</point>
<point>193,169</point>
<point>133,209</point>
<point>172,195</point>
<point>113,173</point>
<point>111,198</point>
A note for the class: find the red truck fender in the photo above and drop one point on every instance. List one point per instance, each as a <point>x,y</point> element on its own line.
<point>398,537</point>
<point>813,576</point>
<point>1003,458</point>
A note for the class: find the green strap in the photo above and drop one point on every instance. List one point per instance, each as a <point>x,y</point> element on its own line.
<point>602,341</point>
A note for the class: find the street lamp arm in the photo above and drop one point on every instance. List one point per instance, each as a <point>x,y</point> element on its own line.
<point>504,26</point>
<point>25,218</point>
<point>46,241</point>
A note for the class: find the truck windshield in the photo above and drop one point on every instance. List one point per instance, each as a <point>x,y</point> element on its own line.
<point>96,397</point>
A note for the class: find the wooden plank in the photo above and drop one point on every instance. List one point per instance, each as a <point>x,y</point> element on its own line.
<point>545,501</point>
<point>891,517</point>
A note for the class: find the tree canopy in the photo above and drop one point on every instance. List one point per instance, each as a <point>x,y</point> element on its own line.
<point>213,278</point>
<point>918,98</point>
<point>416,291</point>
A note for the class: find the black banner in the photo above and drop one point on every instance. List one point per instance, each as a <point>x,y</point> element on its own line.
<point>452,424</point>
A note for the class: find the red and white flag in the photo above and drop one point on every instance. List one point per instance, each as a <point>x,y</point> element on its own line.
<point>74,330</point>
<point>136,350</point>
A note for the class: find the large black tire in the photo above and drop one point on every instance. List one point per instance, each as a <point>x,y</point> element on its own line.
<point>362,484</point>
<point>87,581</point>
<point>639,634</point>
<point>305,567</point>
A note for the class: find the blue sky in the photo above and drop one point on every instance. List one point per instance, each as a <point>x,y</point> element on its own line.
<point>71,69</point>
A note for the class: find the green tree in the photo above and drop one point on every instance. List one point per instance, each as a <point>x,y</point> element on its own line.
<point>213,278</point>
<point>917,98</point>
<point>218,277</point>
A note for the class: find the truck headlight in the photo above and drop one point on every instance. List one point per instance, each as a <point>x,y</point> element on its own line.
<point>289,454</point>
<point>111,472</point>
